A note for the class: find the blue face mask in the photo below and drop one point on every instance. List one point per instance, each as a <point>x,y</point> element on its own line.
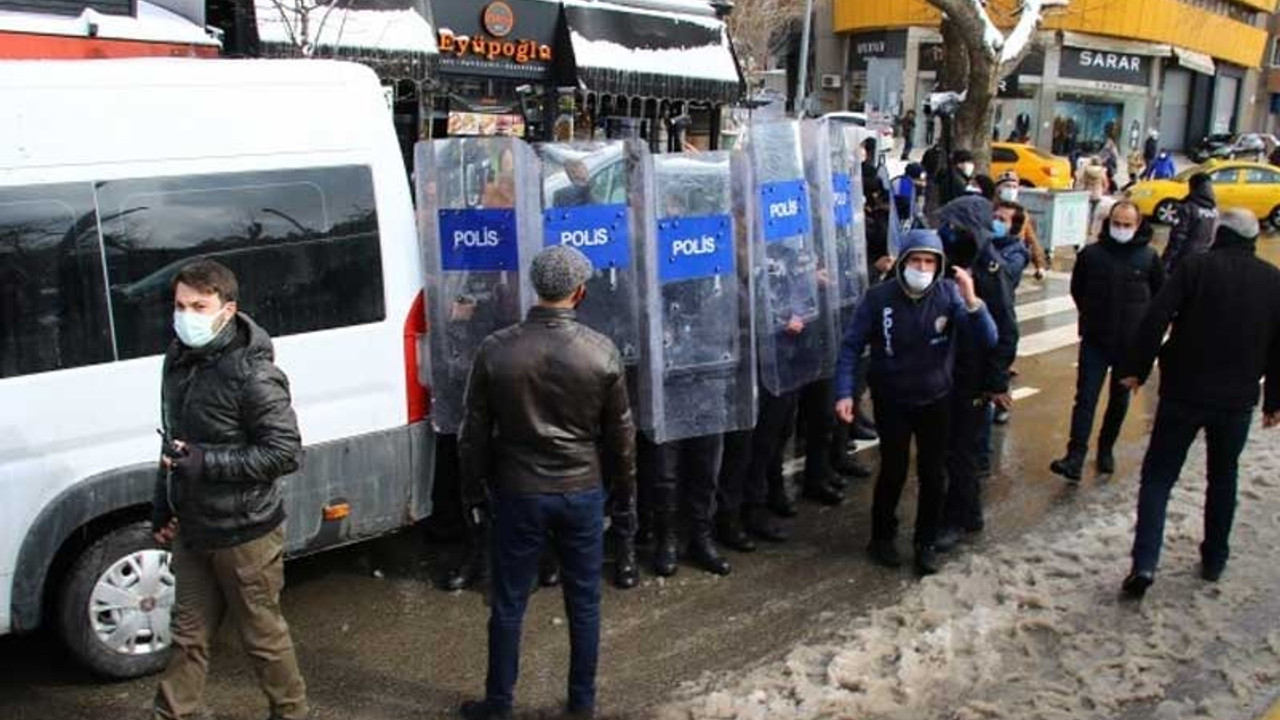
<point>194,329</point>
<point>999,229</point>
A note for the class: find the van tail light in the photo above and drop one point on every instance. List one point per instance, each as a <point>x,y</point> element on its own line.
<point>417,395</point>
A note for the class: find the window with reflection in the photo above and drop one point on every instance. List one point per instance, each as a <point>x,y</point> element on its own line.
<point>303,244</point>
<point>53,309</point>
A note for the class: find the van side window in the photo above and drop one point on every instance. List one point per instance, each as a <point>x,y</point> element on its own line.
<point>53,312</point>
<point>303,243</point>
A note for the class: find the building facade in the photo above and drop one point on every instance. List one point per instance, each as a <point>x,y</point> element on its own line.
<point>1187,68</point>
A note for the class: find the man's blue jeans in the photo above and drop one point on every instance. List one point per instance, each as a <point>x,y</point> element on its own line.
<point>1091,373</point>
<point>574,524</point>
<point>1177,424</point>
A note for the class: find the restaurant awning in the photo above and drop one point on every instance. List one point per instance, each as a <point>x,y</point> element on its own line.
<point>394,37</point>
<point>642,52</point>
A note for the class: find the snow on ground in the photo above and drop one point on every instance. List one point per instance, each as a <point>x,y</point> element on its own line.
<point>1036,629</point>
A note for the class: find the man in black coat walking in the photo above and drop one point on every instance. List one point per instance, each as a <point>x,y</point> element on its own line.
<point>230,435</point>
<point>1224,307</point>
<point>1112,285</point>
<point>1197,220</point>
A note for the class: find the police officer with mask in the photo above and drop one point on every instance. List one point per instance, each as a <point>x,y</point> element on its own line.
<point>911,326</point>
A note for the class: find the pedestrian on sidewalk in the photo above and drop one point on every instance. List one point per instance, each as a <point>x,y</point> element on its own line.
<point>908,134</point>
<point>546,415</point>
<point>1224,308</point>
<point>1112,285</point>
<point>911,326</point>
<point>1197,219</point>
<point>230,435</point>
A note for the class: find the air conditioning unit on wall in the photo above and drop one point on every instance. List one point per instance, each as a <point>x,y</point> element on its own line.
<point>830,81</point>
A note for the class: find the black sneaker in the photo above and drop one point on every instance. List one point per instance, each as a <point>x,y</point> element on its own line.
<point>848,466</point>
<point>1106,462</point>
<point>1135,586</point>
<point>926,560</point>
<point>947,539</point>
<point>1212,570</point>
<point>1068,467</point>
<point>885,553</point>
<point>760,525</point>
<point>821,492</point>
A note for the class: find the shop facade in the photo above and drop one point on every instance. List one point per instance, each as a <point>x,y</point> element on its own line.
<point>1186,69</point>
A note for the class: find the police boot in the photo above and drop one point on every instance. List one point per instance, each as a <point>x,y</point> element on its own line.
<point>626,574</point>
<point>730,533</point>
<point>703,552</point>
<point>759,524</point>
<point>666,553</point>
<point>820,491</point>
<point>473,569</point>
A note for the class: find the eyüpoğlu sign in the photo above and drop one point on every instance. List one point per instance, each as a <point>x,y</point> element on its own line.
<point>510,38</point>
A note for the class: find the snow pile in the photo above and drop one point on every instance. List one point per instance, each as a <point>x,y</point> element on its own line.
<point>151,24</point>
<point>1036,629</point>
<point>280,22</point>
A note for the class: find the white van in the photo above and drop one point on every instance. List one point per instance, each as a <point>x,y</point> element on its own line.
<point>113,173</point>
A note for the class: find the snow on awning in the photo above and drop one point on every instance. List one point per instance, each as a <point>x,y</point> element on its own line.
<point>1193,60</point>
<point>656,53</point>
<point>1115,45</point>
<point>151,24</point>
<point>394,37</point>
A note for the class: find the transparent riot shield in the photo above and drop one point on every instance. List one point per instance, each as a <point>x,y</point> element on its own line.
<point>478,221</point>
<point>842,269</point>
<point>698,363</point>
<point>795,334</point>
<point>592,199</point>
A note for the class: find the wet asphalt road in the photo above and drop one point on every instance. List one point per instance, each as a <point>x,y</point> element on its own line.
<point>377,641</point>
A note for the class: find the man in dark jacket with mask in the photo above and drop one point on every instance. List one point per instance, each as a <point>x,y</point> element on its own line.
<point>981,372</point>
<point>547,417</point>
<point>230,434</point>
<point>1112,285</point>
<point>958,180</point>
<point>1197,220</point>
<point>1224,307</point>
<point>912,326</point>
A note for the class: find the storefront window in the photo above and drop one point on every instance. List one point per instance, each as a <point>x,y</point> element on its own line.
<point>1083,124</point>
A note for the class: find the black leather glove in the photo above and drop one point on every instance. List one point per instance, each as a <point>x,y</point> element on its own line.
<point>189,466</point>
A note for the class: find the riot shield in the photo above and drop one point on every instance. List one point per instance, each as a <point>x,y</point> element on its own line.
<point>697,370</point>
<point>478,226</point>
<point>795,334</point>
<point>592,199</point>
<point>842,275</point>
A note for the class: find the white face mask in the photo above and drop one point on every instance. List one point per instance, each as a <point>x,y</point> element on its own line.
<point>1123,235</point>
<point>917,280</point>
<point>1008,194</point>
<point>966,169</point>
<point>194,329</point>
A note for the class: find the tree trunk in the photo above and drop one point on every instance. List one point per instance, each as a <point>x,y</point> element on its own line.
<point>973,123</point>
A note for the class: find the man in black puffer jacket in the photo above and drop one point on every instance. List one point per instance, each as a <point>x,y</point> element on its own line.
<point>1197,221</point>
<point>1224,308</point>
<point>230,434</point>
<point>1112,284</point>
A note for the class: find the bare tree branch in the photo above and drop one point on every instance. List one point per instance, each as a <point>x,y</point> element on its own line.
<point>753,25</point>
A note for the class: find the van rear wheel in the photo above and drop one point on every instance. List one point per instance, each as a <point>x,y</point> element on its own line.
<point>1274,217</point>
<point>113,610</point>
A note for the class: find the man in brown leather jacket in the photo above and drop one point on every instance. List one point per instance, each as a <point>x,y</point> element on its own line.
<point>547,417</point>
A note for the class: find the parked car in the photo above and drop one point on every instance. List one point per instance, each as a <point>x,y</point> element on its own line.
<point>1249,185</point>
<point>305,198</point>
<point>1225,146</point>
<point>1035,167</point>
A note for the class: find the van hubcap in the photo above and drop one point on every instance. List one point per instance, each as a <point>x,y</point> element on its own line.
<point>130,604</point>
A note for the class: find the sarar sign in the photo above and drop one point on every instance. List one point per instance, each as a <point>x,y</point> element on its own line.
<point>1103,66</point>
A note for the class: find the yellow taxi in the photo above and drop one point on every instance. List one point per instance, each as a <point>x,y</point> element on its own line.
<point>1034,166</point>
<point>1250,185</point>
